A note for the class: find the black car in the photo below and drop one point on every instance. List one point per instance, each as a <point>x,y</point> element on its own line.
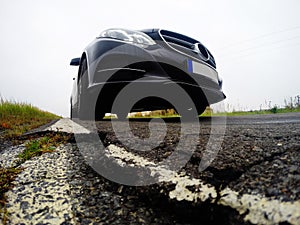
<point>124,71</point>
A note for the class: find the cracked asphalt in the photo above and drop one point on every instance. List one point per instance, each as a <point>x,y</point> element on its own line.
<point>254,179</point>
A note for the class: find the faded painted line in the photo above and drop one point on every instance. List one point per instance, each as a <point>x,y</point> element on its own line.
<point>41,191</point>
<point>260,209</point>
<point>257,209</point>
<point>69,126</point>
<point>181,192</point>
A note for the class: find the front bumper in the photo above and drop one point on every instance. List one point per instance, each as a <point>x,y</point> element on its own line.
<point>106,93</point>
<point>126,64</point>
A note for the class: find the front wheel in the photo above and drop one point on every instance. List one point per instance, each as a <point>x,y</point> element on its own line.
<point>99,115</point>
<point>73,112</point>
<point>201,109</point>
<point>84,101</point>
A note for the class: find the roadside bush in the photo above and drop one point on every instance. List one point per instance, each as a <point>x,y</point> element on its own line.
<point>274,109</point>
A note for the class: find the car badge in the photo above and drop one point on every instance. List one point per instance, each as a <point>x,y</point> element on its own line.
<point>196,48</point>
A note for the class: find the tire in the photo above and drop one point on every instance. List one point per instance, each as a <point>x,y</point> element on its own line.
<point>201,109</point>
<point>99,115</point>
<point>101,108</point>
<point>73,113</point>
<point>84,107</point>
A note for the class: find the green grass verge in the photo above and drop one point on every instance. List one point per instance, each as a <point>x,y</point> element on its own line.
<point>256,112</point>
<point>17,118</point>
<point>209,112</point>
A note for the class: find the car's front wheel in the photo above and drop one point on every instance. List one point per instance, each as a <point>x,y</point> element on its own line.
<point>73,112</point>
<point>84,102</point>
<point>99,115</point>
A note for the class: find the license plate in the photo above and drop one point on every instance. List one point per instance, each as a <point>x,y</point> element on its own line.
<point>202,69</point>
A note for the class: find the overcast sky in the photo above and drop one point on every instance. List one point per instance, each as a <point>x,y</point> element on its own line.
<point>256,44</point>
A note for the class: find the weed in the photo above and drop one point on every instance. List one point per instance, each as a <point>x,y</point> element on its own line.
<point>36,148</point>
<point>6,178</point>
<point>42,145</point>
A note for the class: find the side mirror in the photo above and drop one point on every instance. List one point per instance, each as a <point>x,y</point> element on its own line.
<point>75,62</point>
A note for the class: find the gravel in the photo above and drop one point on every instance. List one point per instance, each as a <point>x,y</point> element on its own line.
<point>8,156</point>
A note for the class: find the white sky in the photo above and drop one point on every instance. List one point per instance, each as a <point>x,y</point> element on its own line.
<point>256,44</point>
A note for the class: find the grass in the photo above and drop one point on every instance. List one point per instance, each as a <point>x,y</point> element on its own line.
<point>273,110</point>
<point>209,112</point>
<point>18,118</point>
<point>7,176</point>
<point>42,145</point>
<point>36,148</point>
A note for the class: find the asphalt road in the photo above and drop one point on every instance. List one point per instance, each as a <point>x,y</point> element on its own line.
<point>253,177</point>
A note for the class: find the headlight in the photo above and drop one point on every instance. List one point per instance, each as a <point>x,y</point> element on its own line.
<point>134,37</point>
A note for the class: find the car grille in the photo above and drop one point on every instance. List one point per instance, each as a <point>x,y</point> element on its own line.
<point>188,46</point>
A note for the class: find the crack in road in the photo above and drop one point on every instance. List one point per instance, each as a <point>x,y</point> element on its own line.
<point>223,177</point>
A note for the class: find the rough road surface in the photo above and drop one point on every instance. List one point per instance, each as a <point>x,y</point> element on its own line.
<point>254,179</point>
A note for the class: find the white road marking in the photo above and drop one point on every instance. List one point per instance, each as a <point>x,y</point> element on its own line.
<point>260,209</point>
<point>67,125</point>
<point>181,192</point>
<point>41,191</point>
